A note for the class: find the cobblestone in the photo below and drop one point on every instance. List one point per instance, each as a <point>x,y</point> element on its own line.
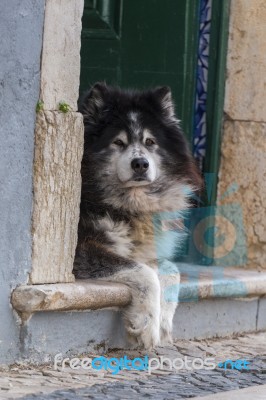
<point>30,383</point>
<point>182,386</point>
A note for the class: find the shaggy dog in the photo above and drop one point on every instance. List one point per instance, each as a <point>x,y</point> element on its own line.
<point>136,164</point>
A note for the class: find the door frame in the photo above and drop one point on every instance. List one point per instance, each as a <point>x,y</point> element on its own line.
<point>187,112</point>
<point>216,90</point>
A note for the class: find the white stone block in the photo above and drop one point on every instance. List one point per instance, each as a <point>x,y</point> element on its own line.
<point>60,64</point>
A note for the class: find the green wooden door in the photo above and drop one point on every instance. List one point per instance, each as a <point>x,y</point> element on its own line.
<point>141,44</point>
<point>145,43</point>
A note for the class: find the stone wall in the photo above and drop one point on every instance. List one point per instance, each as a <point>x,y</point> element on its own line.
<point>243,159</point>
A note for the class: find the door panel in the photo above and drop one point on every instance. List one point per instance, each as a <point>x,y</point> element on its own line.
<point>141,44</point>
<point>100,42</point>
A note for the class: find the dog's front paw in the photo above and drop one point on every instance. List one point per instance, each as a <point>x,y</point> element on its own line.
<point>150,337</point>
<point>144,330</point>
<point>142,315</point>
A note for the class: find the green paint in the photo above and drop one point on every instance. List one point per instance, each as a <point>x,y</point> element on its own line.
<point>216,88</point>
<point>143,44</point>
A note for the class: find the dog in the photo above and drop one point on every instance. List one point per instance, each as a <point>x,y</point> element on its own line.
<point>136,164</point>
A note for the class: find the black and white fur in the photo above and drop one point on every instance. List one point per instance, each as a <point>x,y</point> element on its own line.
<point>136,163</point>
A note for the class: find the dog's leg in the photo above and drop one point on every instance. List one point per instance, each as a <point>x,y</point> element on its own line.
<point>169,280</point>
<point>142,315</point>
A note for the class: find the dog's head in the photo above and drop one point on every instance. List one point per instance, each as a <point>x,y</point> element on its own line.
<point>133,140</point>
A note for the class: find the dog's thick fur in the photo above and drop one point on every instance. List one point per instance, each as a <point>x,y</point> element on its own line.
<point>136,163</point>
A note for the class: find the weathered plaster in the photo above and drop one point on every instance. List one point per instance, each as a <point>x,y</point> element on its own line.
<point>21,26</point>
<point>219,317</point>
<point>95,331</point>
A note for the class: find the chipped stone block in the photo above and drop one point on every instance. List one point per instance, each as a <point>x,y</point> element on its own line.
<point>60,65</point>
<point>246,61</point>
<point>243,163</point>
<point>57,186</point>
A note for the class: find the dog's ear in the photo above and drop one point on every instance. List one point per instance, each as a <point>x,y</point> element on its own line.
<point>164,96</point>
<point>93,103</point>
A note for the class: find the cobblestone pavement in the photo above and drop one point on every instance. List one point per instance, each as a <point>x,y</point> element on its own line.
<point>43,382</point>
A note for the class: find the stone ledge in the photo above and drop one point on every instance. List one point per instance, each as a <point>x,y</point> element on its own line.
<point>197,283</point>
<point>200,282</point>
<point>80,295</point>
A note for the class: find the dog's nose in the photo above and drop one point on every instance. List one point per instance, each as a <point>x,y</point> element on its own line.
<point>140,165</point>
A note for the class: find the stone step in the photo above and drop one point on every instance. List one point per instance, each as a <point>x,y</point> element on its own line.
<point>197,283</point>
<point>213,302</point>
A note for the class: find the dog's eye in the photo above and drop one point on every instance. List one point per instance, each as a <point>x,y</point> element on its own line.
<point>149,142</point>
<point>119,142</point>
